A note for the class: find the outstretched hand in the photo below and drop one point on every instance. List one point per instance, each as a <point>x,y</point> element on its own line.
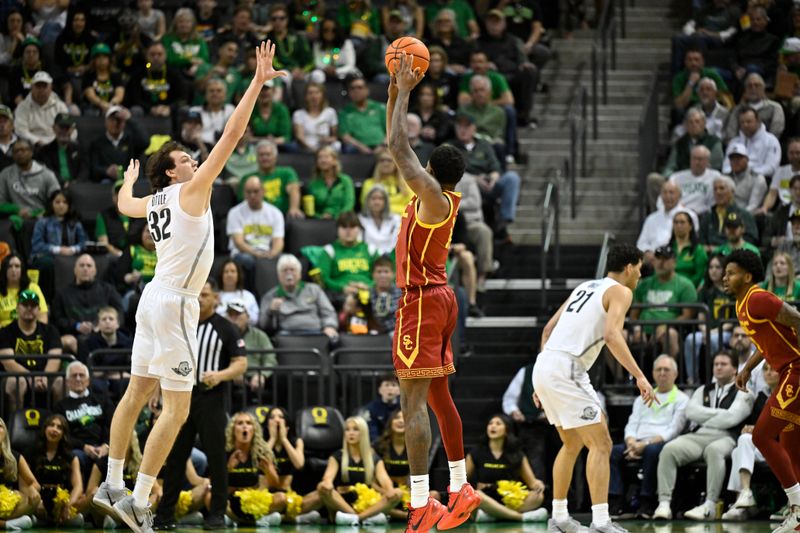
<point>265,53</point>
<point>406,77</point>
<point>132,173</point>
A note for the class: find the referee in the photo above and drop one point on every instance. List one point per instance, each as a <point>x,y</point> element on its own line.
<point>221,357</point>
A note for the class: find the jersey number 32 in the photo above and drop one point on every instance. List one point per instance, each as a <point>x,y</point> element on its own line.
<point>581,297</point>
<point>159,222</point>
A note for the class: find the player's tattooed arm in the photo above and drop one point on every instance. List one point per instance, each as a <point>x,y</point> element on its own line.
<point>789,316</point>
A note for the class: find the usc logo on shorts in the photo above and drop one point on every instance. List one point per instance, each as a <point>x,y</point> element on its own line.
<point>789,390</point>
<point>407,342</point>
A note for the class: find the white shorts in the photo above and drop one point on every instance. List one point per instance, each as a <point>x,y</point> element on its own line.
<point>564,389</point>
<point>165,344</point>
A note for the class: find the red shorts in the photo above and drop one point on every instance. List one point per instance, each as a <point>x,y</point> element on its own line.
<point>784,402</point>
<point>426,319</point>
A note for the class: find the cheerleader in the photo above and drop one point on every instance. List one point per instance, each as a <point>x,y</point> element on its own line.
<point>19,491</point>
<point>391,447</point>
<point>58,475</point>
<point>505,480</point>
<point>355,487</point>
<point>251,469</point>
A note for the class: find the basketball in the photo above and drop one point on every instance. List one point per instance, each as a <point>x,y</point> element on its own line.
<point>409,45</point>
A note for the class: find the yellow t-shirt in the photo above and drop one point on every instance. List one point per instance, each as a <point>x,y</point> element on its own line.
<point>399,193</point>
<point>8,304</point>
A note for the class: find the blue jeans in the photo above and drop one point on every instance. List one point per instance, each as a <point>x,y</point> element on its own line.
<point>649,468</point>
<point>506,190</point>
<point>692,346</point>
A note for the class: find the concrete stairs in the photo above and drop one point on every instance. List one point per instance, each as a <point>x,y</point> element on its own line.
<point>607,196</point>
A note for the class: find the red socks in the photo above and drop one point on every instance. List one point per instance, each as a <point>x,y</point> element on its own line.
<point>447,415</point>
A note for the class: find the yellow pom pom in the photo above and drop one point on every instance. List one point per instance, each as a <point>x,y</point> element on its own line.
<point>184,503</point>
<point>294,504</point>
<point>8,501</point>
<point>366,497</point>
<point>62,500</point>
<point>255,502</point>
<point>406,495</point>
<point>513,493</point>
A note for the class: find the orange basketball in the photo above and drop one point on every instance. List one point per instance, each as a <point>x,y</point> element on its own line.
<point>409,45</point>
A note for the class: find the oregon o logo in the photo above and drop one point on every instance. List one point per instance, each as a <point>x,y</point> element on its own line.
<point>261,414</point>
<point>320,415</point>
<point>32,417</point>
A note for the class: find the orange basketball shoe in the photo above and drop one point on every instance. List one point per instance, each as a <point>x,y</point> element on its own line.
<point>425,518</point>
<point>459,506</point>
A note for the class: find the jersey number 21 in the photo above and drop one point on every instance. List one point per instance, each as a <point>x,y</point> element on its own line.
<point>581,297</point>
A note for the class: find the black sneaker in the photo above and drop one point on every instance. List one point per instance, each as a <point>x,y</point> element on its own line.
<point>646,510</point>
<point>616,509</point>
<point>168,524</point>
<point>475,311</point>
<point>214,522</point>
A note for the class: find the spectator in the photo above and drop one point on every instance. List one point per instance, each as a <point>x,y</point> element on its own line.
<point>490,119</point>
<point>790,244</point>
<point>525,21</point>
<point>696,134</point>
<point>696,183</point>
<point>316,124</point>
<point>58,233</point>
<point>20,79</point>
<point>25,494</point>
<point>243,161</point>
<point>73,46</point>
<point>295,306</point>
<point>191,136</point>
<point>345,266</point>
<point>379,410</point>
<point>778,226</point>
<point>441,76</point>
<point>712,293</point>
<point>214,112</point>
<point>751,187</point>
<point>152,22</point>
<point>104,15</point>
<point>501,93</point>
<point>271,120</point>
<point>384,296</point>
<point>359,19</point>
<point>157,87</point>
<point>11,36</point>
<point>130,47</point>
<point>685,82</point>
<point>122,141</point>
<point>769,111</point>
<point>734,233</point>
<point>39,182</point>
<point>35,114</point>
<point>479,234</point>
<point>532,425</point>
<point>781,279</point>
<point>691,258</point>
<point>7,135</point>
<point>664,287</point>
<point>135,268</point>
<point>186,50</point>
<point>28,336</point>
<point>13,279</point>
<point>333,54</point>
<point>411,13</point>
<point>240,30</point>
<point>648,429</point>
<point>280,184</point>
<point>763,148</point>
<point>111,228</point>
<point>437,124</point>
<point>332,191</point>
<point>712,232</point>
<point>255,341</point>
<point>230,280</point>
<point>712,28</point>
<point>716,114</point>
<point>362,121</point>
<point>387,175</point>
<point>108,337</point>
<point>422,148</point>
<point>742,348</point>
<point>63,155</point>
<point>756,49</point>
<point>224,69</point>
<point>657,227</point>
<point>716,411</point>
<point>76,306</point>
<point>780,188</point>
<point>102,88</point>
<point>380,226</point>
<point>466,25</point>
<point>88,415</point>
<point>255,230</point>
<point>292,50</point>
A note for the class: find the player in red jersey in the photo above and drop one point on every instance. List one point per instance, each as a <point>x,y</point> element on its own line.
<point>426,316</point>
<point>772,324</point>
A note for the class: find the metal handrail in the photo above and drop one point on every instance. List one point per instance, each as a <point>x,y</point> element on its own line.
<point>605,42</point>
<point>550,231</point>
<point>578,132</point>
<point>648,142</point>
<point>600,271</point>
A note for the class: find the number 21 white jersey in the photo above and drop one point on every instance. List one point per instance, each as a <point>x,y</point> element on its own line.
<point>184,243</point>
<point>580,329</point>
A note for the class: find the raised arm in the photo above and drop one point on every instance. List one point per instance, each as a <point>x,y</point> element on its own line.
<point>128,204</point>
<point>196,190</point>
<point>434,206</point>
<point>788,316</point>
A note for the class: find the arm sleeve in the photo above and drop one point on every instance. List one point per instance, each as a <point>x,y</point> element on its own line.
<point>511,396</point>
<point>764,305</point>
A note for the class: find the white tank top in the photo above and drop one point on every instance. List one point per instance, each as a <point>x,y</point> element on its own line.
<point>184,243</point>
<point>580,329</point>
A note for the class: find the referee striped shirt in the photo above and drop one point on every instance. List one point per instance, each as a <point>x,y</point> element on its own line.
<point>218,341</point>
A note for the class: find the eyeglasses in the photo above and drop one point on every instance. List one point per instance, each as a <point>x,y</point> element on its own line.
<point>357,87</point>
<point>278,18</point>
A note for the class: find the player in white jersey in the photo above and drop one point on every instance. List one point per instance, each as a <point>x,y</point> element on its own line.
<point>179,217</point>
<point>592,317</point>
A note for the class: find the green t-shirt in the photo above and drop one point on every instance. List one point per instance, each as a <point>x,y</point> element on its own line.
<point>291,52</point>
<point>340,265</point>
<point>652,290</point>
<point>726,248</point>
<point>279,123</point>
<point>462,9</point>
<point>144,261</point>
<point>232,80</point>
<point>367,126</point>
<point>780,292</point>
<point>180,53</point>
<point>680,79</point>
<point>242,163</point>
<point>362,25</point>
<point>498,81</point>
<point>334,200</point>
<point>691,263</point>
<point>274,184</point>
<point>718,302</point>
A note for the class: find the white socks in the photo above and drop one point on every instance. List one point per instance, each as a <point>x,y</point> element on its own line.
<point>141,491</point>
<point>114,474</point>
<point>458,474</point>
<point>793,493</point>
<point>420,491</point>
<point>600,515</point>
<point>560,512</point>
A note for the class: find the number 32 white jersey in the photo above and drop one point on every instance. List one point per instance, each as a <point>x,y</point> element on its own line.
<point>580,329</point>
<point>184,243</point>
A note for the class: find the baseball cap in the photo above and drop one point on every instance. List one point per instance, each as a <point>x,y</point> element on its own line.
<point>496,13</point>
<point>5,111</point>
<point>733,220</point>
<point>665,252</point>
<point>738,149</point>
<point>42,77</point>
<point>28,297</point>
<point>100,48</point>
<point>113,109</point>
<point>463,115</point>
<point>237,305</point>
<point>64,120</point>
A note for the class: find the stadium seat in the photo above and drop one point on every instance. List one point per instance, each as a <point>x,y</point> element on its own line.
<point>321,428</point>
<point>261,412</point>
<point>307,232</point>
<point>90,198</point>
<point>266,275</point>
<point>304,344</point>
<point>64,267</point>
<point>301,162</point>
<point>89,128</point>
<point>25,427</point>
<point>357,166</point>
<point>363,349</point>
